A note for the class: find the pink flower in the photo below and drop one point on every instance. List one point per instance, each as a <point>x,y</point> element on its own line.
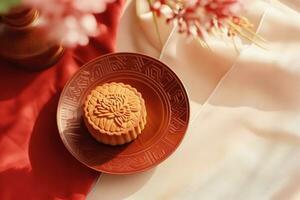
<point>94,6</point>
<point>70,21</point>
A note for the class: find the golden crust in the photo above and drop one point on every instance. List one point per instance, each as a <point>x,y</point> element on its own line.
<point>114,113</point>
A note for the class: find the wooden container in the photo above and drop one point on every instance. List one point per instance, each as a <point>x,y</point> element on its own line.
<point>25,43</point>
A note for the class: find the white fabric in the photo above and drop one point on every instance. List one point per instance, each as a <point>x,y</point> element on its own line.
<point>243,140</point>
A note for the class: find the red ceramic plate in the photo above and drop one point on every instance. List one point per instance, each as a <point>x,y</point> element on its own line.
<point>167,113</point>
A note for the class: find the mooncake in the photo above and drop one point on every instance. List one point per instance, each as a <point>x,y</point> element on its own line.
<point>114,113</point>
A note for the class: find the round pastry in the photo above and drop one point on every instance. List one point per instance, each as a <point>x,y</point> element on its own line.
<point>114,113</point>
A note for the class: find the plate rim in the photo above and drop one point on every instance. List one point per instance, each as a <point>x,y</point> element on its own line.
<point>95,60</point>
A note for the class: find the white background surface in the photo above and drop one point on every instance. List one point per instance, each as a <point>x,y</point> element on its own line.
<point>243,140</point>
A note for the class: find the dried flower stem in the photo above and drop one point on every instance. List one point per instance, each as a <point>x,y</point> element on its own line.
<point>156,25</point>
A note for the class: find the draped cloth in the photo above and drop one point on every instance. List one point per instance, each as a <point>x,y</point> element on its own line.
<point>34,164</point>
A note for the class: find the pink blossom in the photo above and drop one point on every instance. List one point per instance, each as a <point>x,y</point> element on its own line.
<point>94,6</point>
<point>70,21</point>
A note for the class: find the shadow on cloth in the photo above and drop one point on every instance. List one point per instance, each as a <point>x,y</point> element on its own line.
<point>13,80</point>
<point>54,172</point>
<point>52,165</point>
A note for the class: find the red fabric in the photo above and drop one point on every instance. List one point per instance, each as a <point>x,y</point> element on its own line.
<point>34,164</point>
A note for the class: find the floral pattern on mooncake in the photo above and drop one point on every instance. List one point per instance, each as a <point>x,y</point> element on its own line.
<point>115,113</point>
